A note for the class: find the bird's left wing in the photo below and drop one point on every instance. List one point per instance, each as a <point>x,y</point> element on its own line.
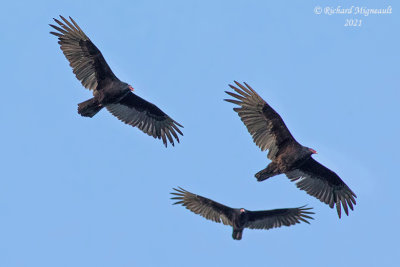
<point>324,184</point>
<point>267,219</point>
<point>137,112</point>
<point>209,209</point>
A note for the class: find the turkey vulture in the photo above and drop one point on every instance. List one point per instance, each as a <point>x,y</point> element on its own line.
<point>91,69</point>
<point>287,155</point>
<point>240,218</point>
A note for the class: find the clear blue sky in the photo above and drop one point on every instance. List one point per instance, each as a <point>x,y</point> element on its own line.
<point>86,192</point>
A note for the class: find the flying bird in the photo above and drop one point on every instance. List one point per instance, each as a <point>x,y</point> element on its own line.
<point>287,155</point>
<point>240,218</point>
<point>91,69</point>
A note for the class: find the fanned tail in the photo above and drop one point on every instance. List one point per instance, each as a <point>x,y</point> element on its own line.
<point>89,108</point>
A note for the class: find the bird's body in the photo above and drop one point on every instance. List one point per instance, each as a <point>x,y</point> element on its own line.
<point>111,93</point>
<point>241,218</point>
<point>90,67</point>
<point>287,156</point>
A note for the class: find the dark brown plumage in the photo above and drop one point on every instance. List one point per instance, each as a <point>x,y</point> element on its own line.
<point>91,69</point>
<point>287,155</point>
<point>240,218</point>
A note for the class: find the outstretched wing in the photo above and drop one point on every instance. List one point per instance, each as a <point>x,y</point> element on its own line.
<point>136,111</point>
<point>324,184</point>
<point>263,122</point>
<point>205,207</point>
<point>267,219</point>
<point>87,62</point>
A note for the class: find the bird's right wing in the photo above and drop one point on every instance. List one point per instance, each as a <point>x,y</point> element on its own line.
<point>137,112</point>
<point>205,207</point>
<point>267,219</point>
<point>324,184</point>
<point>87,62</point>
<point>262,121</point>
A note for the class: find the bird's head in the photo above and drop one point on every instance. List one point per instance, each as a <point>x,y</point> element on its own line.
<point>242,210</point>
<point>130,87</point>
<point>312,150</point>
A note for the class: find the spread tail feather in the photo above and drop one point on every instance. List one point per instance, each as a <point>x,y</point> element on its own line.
<point>237,234</point>
<point>89,108</point>
<point>268,172</point>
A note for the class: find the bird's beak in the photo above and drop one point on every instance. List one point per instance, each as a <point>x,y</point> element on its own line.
<point>131,88</point>
<point>313,151</point>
